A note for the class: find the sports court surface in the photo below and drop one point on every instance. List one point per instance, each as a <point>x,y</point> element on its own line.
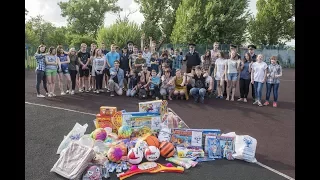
<point>48,120</point>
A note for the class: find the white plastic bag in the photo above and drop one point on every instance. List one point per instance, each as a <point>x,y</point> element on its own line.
<point>245,147</point>
<point>75,134</point>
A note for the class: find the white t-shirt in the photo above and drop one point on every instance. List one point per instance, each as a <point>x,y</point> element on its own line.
<point>147,57</point>
<point>258,71</point>
<point>232,66</point>
<point>220,63</point>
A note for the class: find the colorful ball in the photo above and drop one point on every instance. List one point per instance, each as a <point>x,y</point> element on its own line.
<point>152,153</point>
<point>152,141</point>
<point>166,149</point>
<point>142,145</point>
<point>124,132</point>
<point>99,134</point>
<point>135,156</point>
<point>115,154</point>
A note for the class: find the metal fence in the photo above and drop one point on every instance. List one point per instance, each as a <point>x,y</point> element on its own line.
<point>285,56</point>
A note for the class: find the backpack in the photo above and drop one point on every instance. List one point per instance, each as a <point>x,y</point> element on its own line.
<point>142,93</point>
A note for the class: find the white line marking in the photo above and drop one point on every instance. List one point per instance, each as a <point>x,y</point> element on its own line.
<point>258,163</point>
<point>275,171</point>
<point>60,108</point>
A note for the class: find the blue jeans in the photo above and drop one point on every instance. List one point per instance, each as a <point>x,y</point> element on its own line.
<point>275,88</point>
<point>258,88</point>
<point>196,92</point>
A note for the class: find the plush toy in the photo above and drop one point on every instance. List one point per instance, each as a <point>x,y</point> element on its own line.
<point>115,154</point>
<point>124,132</point>
<point>92,173</point>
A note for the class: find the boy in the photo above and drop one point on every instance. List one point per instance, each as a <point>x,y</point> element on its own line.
<point>139,62</point>
<point>155,61</point>
<point>154,82</point>
<point>132,83</point>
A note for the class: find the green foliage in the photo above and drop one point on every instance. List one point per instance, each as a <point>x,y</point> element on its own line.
<point>119,33</point>
<point>87,16</point>
<point>159,17</point>
<point>75,40</point>
<point>274,23</point>
<point>202,21</point>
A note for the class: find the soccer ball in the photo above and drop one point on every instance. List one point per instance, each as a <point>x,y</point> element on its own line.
<point>152,153</point>
<point>135,156</point>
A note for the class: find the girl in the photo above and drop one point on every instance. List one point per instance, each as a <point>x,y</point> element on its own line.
<point>63,70</point>
<point>98,65</point>
<point>40,70</point>
<point>231,72</point>
<point>206,61</point>
<point>176,62</point>
<point>274,71</point>
<point>245,69</point>
<point>51,70</point>
<point>219,75</point>
<point>73,69</point>
<point>180,85</point>
<point>132,83</point>
<point>166,86</point>
<point>258,76</point>
<point>92,78</point>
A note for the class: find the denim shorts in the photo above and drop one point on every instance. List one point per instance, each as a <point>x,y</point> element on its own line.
<point>232,76</point>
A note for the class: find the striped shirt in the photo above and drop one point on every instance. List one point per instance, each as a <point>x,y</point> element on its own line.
<point>41,63</point>
<point>273,70</point>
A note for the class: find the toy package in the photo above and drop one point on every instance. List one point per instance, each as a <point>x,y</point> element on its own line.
<point>103,121</point>
<point>220,146</point>
<point>140,131</point>
<point>153,122</point>
<point>189,152</point>
<point>126,116</point>
<point>157,106</point>
<point>205,132</point>
<point>107,110</point>
<point>187,137</point>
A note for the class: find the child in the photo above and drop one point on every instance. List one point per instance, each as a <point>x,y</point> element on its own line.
<point>274,71</point>
<point>180,85</point>
<point>154,83</point>
<point>176,62</point>
<point>155,62</point>
<point>132,83</point>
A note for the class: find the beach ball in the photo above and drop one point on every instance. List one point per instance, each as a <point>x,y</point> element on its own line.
<point>115,154</point>
<point>99,134</point>
<point>152,153</point>
<point>124,132</point>
<point>135,156</point>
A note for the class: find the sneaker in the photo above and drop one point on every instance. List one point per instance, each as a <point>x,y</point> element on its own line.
<point>81,90</point>
<point>72,92</point>
<point>94,91</point>
<point>266,103</point>
<point>260,104</point>
<point>232,99</point>
<point>53,94</point>
<point>49,95</point>
<point>227,98</point>
<point>255,102</point>
<point>101,90</point>
<point>63,93</point>
<point>97,91</point>
<point>221,97</point>
<point>112,94</point>
<point>240,99</point>
<point>67,92</point>
<point>87,91</point>
<point>275,104</point>
<point>108,90</point>
<point>245,100</point>
<point>40,95</point>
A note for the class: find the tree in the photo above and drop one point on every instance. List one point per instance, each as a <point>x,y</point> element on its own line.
<point>159,17</point>
<point>75,40</point>
<point>41,29</point>
<point>274,23</point>
<point>87,16</point>
<point>58,36</point>
<point>26,11</point>
<point>119,33</point>
<point>203,21</point>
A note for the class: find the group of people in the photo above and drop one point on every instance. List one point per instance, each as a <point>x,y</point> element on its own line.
<point>146,73</point>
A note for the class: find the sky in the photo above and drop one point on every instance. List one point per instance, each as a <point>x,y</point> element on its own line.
<point>51,12</point>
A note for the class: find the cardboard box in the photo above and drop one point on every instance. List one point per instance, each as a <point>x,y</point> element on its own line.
<point>189,152</point>
<point>157,106</point>
<point>103,121</point>
<point>107,110</point>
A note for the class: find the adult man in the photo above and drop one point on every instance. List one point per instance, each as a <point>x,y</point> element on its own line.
<point>192,58</point>
<point>103,49</point>
<point>111,57</point>
<point>254,58</point>
<point>116,79</point>
<point>84,59</point>
<point>214,56</point>
<point>124,63</point>
<point>130,47</point>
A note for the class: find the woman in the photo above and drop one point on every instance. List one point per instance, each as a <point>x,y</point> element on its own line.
<point>92,79</point>
<point>63,70</point>
<point>166,85</point>
<point>219,75</point>
<point>52,61</point>
<point>73,68</point>
<point>258,76</point>
<point>274,71</point>
<point>206,61</point>
<point>98,65</point>
<point>40,70</point>
<point>231,72</point>
<point>180,85</point>
<point>245,69</point>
